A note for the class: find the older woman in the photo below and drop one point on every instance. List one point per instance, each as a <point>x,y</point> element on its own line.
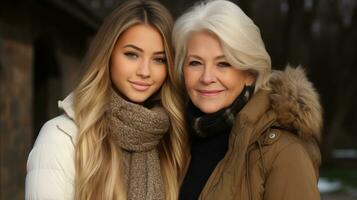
<point>253,133</point>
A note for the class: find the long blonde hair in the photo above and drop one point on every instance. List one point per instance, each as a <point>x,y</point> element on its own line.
<point>97,159</point>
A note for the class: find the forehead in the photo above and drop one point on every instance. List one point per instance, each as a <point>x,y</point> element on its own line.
<point>142,35</point>
<point>204,42</point>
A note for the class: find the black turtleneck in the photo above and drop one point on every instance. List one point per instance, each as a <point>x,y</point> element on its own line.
<point>210,134</point>
<point>205,155</point>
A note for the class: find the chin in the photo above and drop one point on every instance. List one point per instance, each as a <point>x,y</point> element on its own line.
<point>138,98</point>
<point>208,109</point>
<point>135,96</point>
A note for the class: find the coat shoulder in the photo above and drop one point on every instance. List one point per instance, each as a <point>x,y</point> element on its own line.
<point>280,142</point>
<point>50,164</point>
<point>54,143</point>
<point>60,129</point>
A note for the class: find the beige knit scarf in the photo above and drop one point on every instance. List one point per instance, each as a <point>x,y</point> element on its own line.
<point>137,131</point>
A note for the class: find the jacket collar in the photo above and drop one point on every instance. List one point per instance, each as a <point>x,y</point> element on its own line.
<point>69,127</point>
<point>67,106</point>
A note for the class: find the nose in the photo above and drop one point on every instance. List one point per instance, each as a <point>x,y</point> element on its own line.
<point>208,76</point>
<point>144,69</point>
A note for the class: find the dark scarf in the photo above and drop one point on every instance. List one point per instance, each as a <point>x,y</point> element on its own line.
<point>206,125</point>
<point>137,131</point>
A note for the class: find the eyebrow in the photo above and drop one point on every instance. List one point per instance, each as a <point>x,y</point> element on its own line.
<point>141,50</point>
<point>198,57</point>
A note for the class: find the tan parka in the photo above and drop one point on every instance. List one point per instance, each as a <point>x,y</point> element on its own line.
<point>273,151</point>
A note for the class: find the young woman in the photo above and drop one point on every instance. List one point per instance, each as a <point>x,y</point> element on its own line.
<point>112,141</point>
<point>253,133</point>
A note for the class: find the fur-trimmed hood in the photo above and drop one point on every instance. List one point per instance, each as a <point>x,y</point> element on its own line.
<point>286,99</point>
<point>295,101</point>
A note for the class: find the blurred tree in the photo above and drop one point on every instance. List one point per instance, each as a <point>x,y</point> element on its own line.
<point>321,35</point>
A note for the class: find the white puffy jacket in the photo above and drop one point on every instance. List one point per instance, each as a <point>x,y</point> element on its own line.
<point>50,165</point>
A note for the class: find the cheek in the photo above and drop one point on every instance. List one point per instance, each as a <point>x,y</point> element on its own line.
<point>235,84</point>
<point>234,92</point>
<point>116,72</point>
<point>190,78</point>
<point>120,67</point>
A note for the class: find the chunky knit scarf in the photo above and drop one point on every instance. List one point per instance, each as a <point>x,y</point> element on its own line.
<point>137,131</point>
<point>204,125</point>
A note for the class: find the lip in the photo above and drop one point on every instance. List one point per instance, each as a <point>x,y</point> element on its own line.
<point>209,93</point>
<point>140,86</point>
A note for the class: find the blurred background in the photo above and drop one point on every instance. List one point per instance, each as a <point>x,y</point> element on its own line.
<point>42,43</point>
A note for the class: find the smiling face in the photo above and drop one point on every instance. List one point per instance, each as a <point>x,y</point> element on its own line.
<point>211,82</point>
<point>138,63</point>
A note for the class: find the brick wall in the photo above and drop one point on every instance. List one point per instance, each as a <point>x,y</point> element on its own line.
<point>15,115</point>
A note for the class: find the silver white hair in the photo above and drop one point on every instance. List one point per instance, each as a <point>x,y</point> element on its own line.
<point>240,37</point>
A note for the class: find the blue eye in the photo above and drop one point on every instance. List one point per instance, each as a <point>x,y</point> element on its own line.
<point>131,55</point>
<point>194,63</point>
<point>224,64</point>
<point>160,60</point>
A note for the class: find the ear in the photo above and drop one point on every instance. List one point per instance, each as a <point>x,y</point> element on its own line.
<point>250,78</point>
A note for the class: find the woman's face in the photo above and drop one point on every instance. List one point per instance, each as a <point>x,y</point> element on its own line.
<point>138,63</point>
<point>211,82</point>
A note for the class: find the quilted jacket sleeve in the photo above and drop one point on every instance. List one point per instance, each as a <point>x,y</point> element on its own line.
<point>50,165</point>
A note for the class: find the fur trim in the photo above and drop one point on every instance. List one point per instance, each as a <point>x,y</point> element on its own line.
<point>295,102</point>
